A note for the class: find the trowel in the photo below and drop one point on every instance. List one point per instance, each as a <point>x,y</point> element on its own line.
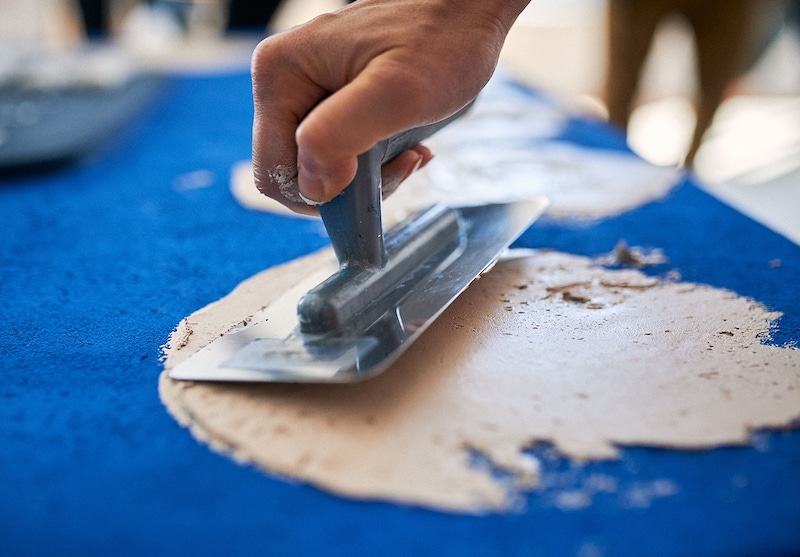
<point>390,286</point>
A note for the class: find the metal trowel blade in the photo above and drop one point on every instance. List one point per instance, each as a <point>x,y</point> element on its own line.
<point>271,348</point>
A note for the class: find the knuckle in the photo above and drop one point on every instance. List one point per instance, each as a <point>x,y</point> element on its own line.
<point>265,57</point>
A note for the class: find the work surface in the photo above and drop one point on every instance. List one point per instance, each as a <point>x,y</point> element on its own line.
<point>100,262</point>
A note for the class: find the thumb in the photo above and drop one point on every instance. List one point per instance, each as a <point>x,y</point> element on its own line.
<point>372,107</point>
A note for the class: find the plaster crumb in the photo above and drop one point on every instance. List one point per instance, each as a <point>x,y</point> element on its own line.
<point>642,495</point>
<point>196,180</point>
<point>625,256</point>
<point>450,425</point>
<point>180,336</point>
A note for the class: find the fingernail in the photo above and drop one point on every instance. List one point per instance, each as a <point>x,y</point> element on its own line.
<point>312,189</point>
<point>416,166</point>
<point>390,186</point>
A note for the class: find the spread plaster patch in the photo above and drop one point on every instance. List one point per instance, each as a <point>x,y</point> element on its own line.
<point>503,150</point>
<point>547,347</point>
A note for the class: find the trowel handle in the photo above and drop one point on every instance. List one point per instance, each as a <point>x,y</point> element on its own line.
<point>403,141</point>
<point>353,218</point>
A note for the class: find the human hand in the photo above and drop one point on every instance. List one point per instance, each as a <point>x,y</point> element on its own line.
<point>329,90</point>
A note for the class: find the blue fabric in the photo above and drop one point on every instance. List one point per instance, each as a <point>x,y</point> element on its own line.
<point>99,262</point>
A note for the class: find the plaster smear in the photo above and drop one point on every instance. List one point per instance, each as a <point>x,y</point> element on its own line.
<point>546,347</point>
<point>503,150</point>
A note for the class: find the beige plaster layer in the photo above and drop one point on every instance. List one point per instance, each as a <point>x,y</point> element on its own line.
<point>503,150</point>
<point>545,347</point>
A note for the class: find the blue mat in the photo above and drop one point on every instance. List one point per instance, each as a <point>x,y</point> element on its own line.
<point>99,262</point>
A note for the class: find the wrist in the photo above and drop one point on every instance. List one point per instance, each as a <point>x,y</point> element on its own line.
<point>500,13</point>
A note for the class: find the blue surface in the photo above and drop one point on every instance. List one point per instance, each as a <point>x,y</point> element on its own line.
<point>99,262</point>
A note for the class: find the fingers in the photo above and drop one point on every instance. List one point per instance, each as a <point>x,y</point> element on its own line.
<point>330,89</point>
<point>281,98</point>
<point>402,166</point>
<point>305,144</point>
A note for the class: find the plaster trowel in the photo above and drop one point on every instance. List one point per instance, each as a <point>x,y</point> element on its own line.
<point>389,287</point>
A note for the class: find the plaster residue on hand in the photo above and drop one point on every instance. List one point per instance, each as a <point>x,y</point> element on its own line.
<point>545,348</point>
<point>244,190</point>
<point>286,177</point>
<point>503,150</point>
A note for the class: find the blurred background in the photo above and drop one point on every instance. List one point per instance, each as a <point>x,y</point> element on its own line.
<point>711,84</point>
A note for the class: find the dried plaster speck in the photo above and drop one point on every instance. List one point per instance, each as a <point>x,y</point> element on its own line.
<point>286,177</point>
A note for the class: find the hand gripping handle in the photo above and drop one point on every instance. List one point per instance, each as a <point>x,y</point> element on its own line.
<point>353,218</point>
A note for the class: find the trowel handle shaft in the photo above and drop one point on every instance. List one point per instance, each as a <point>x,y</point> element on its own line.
<point>353,218</point>
<point>403,141</point>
